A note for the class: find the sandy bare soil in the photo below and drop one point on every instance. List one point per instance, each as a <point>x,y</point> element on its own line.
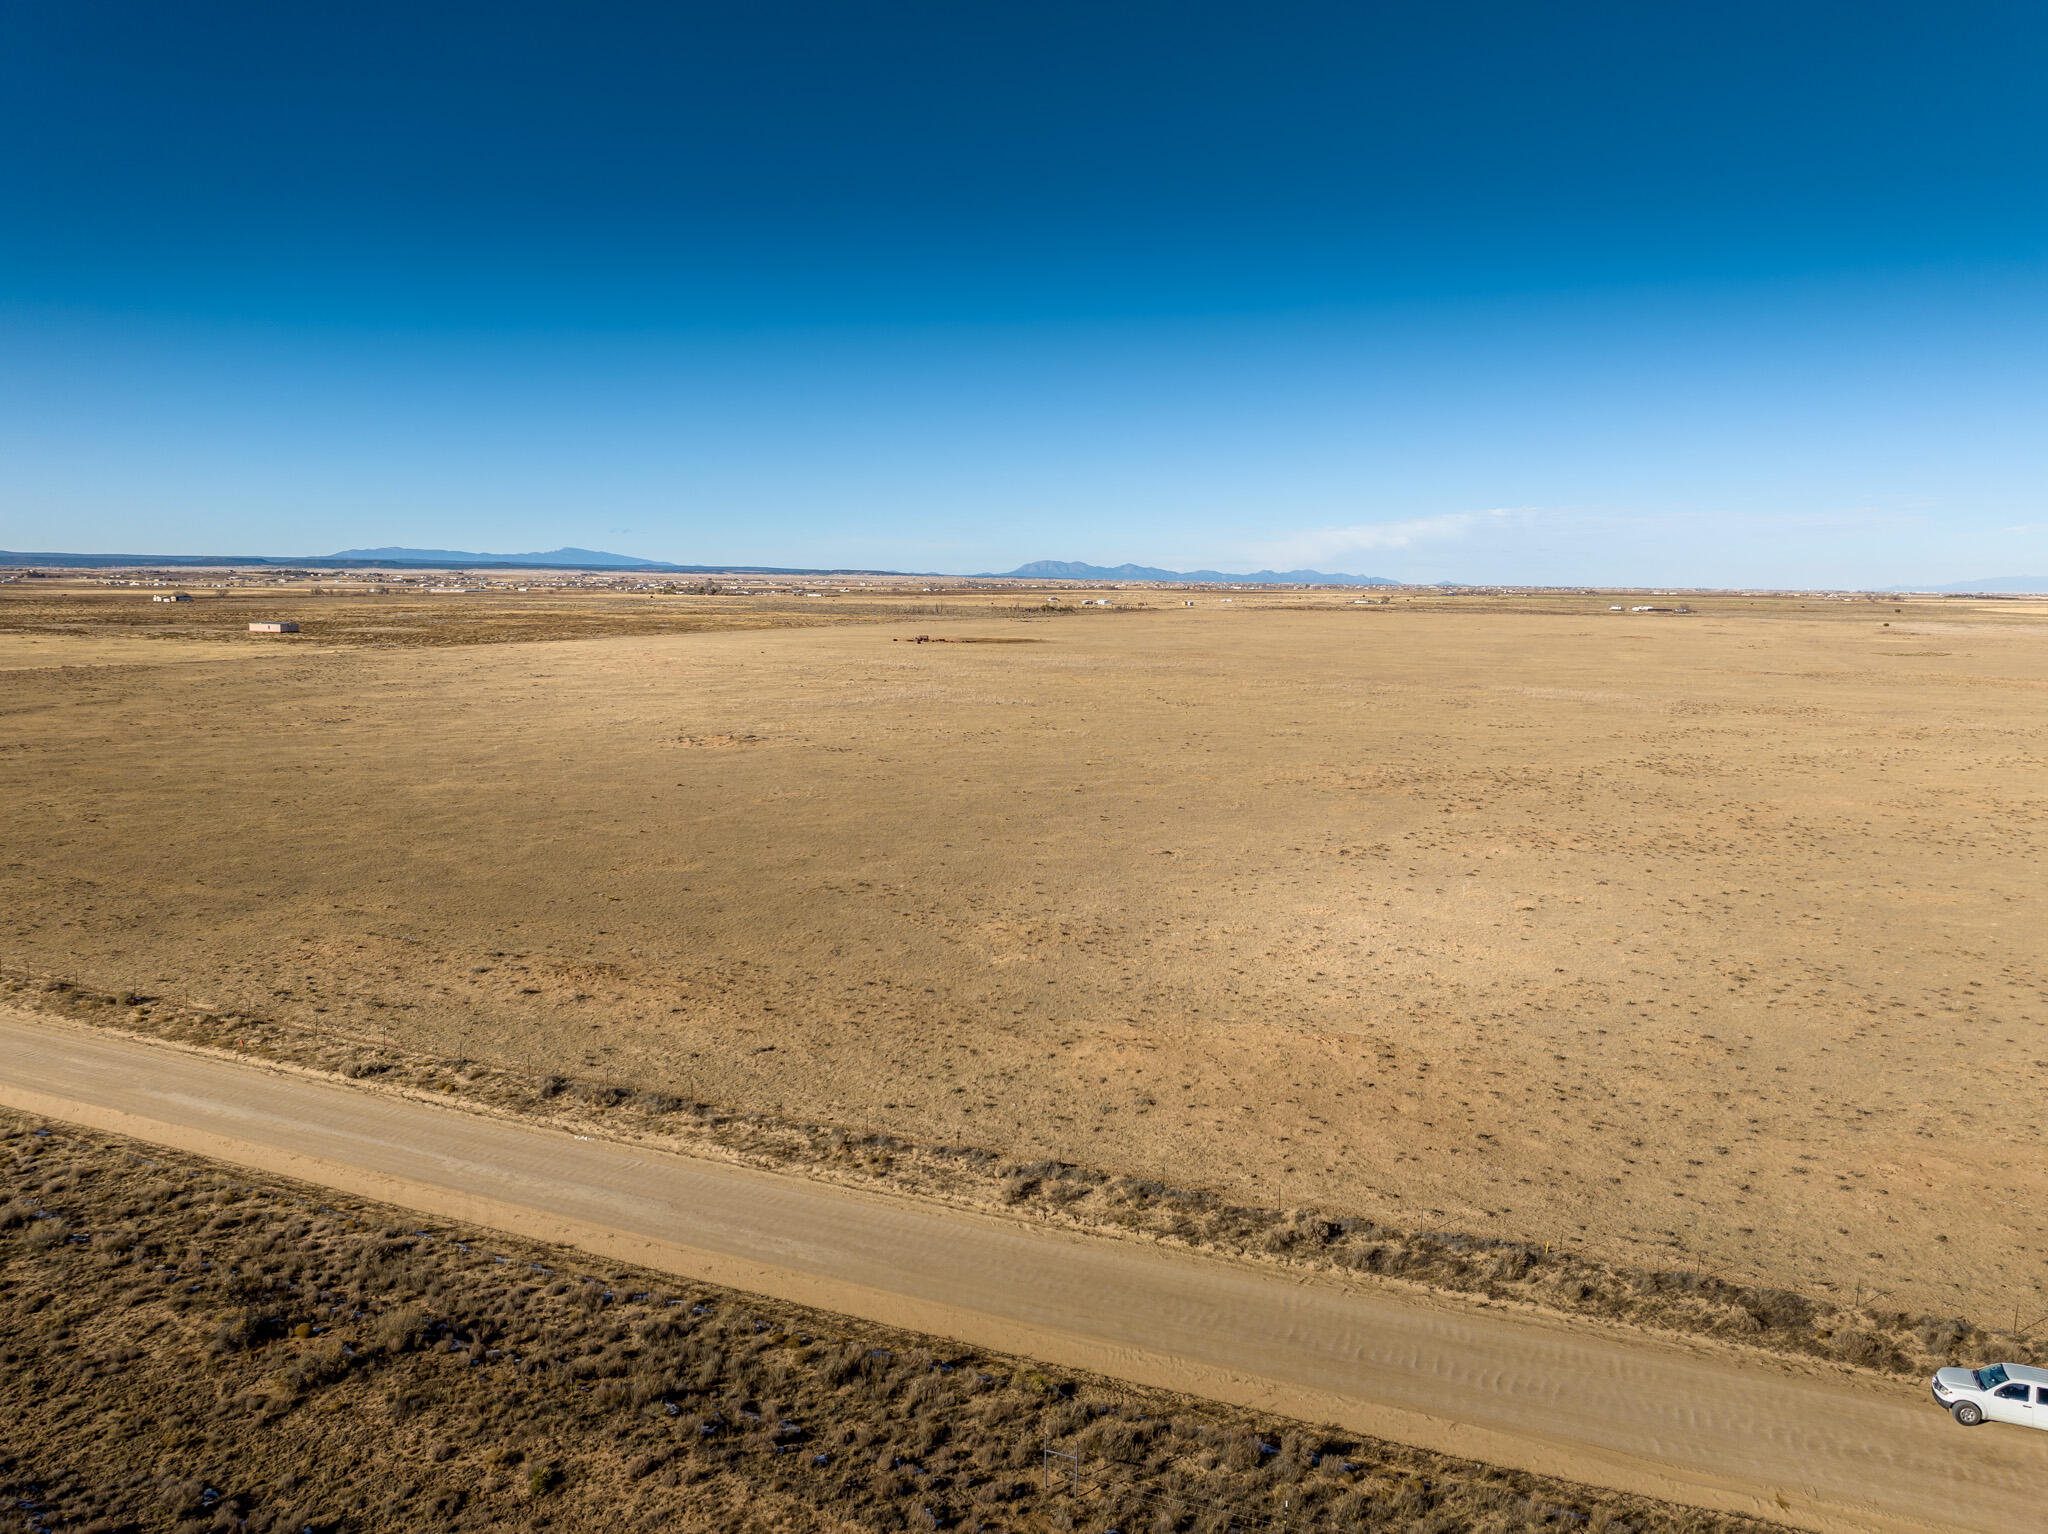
<point>1705,940</point>
<point>1703,1425</point>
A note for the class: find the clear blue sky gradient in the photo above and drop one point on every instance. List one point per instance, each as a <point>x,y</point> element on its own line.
<point>1740,294</point>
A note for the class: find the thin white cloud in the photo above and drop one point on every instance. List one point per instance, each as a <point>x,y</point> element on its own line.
<point>1321,545</point>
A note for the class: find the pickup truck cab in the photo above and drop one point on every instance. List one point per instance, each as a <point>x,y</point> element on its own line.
<point>1995,1393</point>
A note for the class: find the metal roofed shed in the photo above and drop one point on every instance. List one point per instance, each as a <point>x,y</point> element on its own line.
<point>274,626</point>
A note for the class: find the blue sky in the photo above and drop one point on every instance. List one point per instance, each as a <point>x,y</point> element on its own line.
<point>1741,294</point>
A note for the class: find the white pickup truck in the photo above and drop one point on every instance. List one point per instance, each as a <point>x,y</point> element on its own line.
<point>1995,1393</point>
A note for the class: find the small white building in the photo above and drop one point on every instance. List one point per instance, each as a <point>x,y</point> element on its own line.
<point>173,596</point>
<point>274,626</point>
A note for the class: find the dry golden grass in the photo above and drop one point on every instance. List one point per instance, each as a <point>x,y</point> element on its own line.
<point>1704,941</point>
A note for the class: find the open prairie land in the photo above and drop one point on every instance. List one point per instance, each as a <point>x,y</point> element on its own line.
<point>1707,940</point>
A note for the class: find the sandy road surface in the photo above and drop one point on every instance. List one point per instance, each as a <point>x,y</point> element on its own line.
<point>1692,1424</point>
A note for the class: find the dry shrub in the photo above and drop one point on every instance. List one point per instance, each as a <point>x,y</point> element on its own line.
<point>1856,1346</point>
<point>1941,1338</point>
<point>321,1364</point>
<point>888,1484</point>
<point>1064,1418</point>
<point>1241,1453</point>
<point>403,1329</point>
<point>993,1493</point>
<point>710,1369</point>
<point>927,1434</point>
<point>46,1233</point>
<point>646,1464</point>
<point>1778,1308</point>
<point>1001,1408</point>
<point>1512,1266</point>
<point>1351,1510</point>
<point>1111,1438</point>
<point>1169,1517</point>
<point>543,1479</point>
<point>927,1391</point>
<point>248,1328</point>
<point>843,1365</point>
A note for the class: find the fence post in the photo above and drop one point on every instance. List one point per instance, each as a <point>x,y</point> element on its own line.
<point>1071,1471</point>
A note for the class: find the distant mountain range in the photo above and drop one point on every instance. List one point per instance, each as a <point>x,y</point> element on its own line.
<point>574,559</point>
<point>396,556</point>
<point>2001,583</point>
<point>1067,570</point>
<point>399,557</point>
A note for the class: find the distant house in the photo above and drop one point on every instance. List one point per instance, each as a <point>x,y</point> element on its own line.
<point>173,596</point>
<point>274,627</point>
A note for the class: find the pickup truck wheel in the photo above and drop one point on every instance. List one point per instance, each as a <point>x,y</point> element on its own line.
<point>1969,1413</point>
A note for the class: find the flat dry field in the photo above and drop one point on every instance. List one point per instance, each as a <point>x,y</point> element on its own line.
<point>1707,940</point>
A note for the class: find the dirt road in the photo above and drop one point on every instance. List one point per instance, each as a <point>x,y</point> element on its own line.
<point>1691,1423</point>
